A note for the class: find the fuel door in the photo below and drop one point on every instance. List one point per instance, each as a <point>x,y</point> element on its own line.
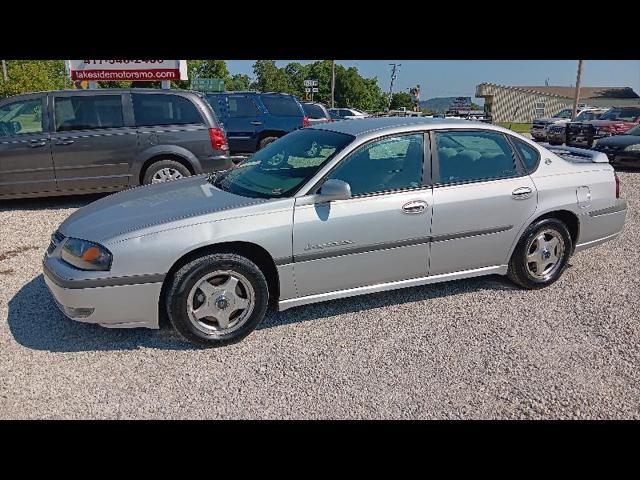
<point>584,197</point>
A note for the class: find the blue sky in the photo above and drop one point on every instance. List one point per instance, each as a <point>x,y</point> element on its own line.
<point>452,78</point>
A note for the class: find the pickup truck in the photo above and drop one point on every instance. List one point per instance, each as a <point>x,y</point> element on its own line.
<point>556,133</point>
<point>614,122</point>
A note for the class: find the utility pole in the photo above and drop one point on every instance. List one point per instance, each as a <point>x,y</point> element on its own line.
<point>4,70</point>
<point>333,81</point>
<point>393,77</point>
<point>575,100</point>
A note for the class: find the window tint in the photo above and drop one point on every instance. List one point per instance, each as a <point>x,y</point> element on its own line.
<point>88,112</point>
<point>240,106</point>
<point>162,109</point>
<point>474,155</point>
<point>392,163</point>
<point>313,111</point>
<point>566,113</point>
<point>530,155</point>
<point>281,105</point>
<point>21,117</point>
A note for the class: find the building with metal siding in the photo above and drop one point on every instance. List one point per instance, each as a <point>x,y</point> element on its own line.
<point>522,104</point>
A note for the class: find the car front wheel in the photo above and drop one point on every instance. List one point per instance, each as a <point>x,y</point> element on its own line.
<point>541,255</point>
<point>217,299</point>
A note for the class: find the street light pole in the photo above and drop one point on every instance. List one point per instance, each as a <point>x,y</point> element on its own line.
<point>577,94</point>
<point>4,70</point>
<point>333,81</point>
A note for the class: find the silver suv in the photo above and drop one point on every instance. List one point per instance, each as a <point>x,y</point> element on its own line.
<point>103,140</point>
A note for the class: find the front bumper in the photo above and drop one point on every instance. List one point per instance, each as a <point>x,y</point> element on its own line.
<point>113,306</point>
<point>538,133</point>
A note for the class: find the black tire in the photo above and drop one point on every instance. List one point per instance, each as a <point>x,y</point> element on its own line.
<point>186,277</point>
<point>518,271</point>
<point>266,141</point>
<point>158,165</point>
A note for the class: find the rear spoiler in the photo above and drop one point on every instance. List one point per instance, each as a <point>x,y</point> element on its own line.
<point>573,154</point>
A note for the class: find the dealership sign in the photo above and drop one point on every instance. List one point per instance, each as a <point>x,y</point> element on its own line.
<point>134,70</point>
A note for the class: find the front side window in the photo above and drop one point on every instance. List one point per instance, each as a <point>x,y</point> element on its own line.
<point>88,112</point>
<point>393,163</point>
<point>241,106</point>
<point>21,117</point>
<point>282,167</point>
<point>162,109</point>
<point>473,155</point>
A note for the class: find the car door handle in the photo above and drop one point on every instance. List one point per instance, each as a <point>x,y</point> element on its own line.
<point>37,143</point>
<point>417,206</point>
<point>64,141</point>
<point>256,122</point>
<point>522,193</point>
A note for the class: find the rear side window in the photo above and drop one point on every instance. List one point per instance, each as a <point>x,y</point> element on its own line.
<point>313,111</point>
<point>530,155</point>
<point>281,105</point>
<point>467,156</point>
<point>88,112</point>
<point>241,106</point>
<point>161,109</point>
<point>215,101</point>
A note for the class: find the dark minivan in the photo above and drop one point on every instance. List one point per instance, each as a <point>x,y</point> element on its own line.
<point>253,120</point>
<point>102,140</point>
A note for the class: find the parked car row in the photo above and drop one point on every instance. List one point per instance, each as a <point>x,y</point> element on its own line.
<point>590,124</point>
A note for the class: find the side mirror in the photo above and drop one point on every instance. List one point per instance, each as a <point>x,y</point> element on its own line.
<point>334,189</point>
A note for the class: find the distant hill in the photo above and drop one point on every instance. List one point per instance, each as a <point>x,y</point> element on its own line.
<point>438,105</point>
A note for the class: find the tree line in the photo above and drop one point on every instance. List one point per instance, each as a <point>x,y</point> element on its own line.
<point>351,88</point>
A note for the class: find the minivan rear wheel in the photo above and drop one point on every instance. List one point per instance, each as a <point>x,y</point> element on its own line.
<point>163,171</point>
<point>266,141</point>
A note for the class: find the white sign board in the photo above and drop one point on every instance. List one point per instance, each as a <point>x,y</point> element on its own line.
<point>311,83</point>
<point>135,70</point>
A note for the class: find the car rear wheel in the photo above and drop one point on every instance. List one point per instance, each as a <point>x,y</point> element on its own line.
<point>541,254</point>
<point>164,171</point>
<point>217,299</point>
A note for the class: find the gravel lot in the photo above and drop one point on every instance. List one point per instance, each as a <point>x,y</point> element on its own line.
<point>477,348</point>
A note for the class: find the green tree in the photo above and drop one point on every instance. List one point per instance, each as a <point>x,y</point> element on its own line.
<point>270,78</point>
<point>34,75</point>
<point>400,100</point>
<point>238,82</point>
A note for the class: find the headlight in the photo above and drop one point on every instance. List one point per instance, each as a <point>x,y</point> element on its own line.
<point>633,148</point>
<point>595,142</point>
<point>86,255</point>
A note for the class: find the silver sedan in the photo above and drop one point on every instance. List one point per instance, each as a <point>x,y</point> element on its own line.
<point>334,210</point>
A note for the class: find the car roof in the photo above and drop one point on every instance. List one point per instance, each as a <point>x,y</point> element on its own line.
<point>105,90</point>
<point>367,125</point>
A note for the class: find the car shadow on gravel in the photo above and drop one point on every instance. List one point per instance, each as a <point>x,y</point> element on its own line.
<point>385,299</point>
<point>36,322</point>
<point>69,201</point>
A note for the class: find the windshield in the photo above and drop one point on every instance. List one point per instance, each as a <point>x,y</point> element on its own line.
<point>282,167</point>
<point>623,114</point>
<point>566,113</point>
<point>633,131</point>
<point>588,115</point>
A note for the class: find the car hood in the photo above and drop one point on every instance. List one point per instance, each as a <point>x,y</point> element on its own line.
<point>150,208</point>
<point>604,123</point>
<point>546,121</point>
<point>618,141</point>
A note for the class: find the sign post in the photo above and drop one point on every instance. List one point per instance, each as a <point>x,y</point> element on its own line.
<point>310,87</point>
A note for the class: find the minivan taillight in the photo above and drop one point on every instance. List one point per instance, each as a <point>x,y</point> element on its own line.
<point>218,139</point>
<point>617,184</point>
<point>305,121</point>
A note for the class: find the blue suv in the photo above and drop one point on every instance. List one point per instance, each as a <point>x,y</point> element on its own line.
<point>252,120</point>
